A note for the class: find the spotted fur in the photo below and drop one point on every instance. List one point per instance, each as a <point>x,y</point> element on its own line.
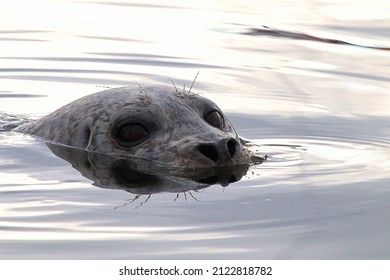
<point>176,125</point>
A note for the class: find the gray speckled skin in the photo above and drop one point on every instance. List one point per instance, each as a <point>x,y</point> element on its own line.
<point>175,122</point>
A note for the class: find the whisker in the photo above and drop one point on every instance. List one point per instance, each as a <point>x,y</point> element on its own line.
<point>173,85</point>
<point>147,97</point>
<point>193,82</point>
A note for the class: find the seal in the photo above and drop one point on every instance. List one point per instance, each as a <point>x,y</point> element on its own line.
<point>155,123</point>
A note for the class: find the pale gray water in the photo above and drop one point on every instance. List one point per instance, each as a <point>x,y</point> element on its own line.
<point>326,199</point>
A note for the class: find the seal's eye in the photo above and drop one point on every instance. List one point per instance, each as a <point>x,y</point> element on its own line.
<point>214,118</point>
<point>131,134</point>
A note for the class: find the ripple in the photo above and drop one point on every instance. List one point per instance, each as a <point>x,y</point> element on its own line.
<point>8,122</point>
<point>10,39</point>
<point>323,161</point>
<point>136,5</point>
<point>321,150</point>
<point>133,61</point>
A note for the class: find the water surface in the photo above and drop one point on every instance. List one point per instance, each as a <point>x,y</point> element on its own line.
<point>318,110</point>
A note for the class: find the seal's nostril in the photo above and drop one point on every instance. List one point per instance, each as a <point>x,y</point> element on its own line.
<point>209,151</point>
<point>231,145</point>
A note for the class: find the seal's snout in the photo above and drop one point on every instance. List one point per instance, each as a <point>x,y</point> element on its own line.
<point>222,152</point>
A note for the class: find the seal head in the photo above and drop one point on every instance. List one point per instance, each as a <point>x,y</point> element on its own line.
<point>152,123</point>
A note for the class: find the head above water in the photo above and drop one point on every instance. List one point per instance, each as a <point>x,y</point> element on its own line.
<point>153,123</point>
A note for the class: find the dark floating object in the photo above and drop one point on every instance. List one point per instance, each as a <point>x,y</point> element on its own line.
<point>267,31</point>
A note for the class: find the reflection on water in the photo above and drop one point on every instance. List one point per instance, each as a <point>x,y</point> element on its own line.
<point>140,176</point>
<point>319,112</point>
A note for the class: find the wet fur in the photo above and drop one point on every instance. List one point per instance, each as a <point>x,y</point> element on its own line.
<point>176,123</point>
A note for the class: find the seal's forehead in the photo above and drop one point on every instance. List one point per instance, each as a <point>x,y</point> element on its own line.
<point>168,95</point>
<point>156,98</point>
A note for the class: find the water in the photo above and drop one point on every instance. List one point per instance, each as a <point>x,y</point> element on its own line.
<point>318,110</point>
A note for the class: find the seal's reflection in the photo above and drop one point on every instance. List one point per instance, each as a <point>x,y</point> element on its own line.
<point>140,176</point>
